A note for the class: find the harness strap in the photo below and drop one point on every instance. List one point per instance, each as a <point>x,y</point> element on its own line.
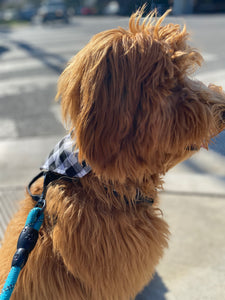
<point>48,177</point>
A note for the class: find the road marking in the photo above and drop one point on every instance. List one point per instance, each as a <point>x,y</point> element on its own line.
<point>31,64</point>
<point>18,54</point>
<point>15,86</point>
<point>48,51</point>
<point>8,129</point>
<point>20,65</point>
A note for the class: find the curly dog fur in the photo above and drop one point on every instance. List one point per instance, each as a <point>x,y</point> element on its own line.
<point>136,114</point>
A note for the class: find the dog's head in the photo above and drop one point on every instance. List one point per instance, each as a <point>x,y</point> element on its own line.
<point>134,109</point>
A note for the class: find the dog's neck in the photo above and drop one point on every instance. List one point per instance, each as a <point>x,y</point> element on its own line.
<point>122,195</point>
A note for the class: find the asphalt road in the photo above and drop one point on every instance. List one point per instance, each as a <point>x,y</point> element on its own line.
<point>31,59</point>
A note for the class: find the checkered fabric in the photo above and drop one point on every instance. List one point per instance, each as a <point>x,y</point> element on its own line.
<point>63,159</point>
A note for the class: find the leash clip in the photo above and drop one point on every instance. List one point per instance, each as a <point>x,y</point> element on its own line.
<point>40,199</point>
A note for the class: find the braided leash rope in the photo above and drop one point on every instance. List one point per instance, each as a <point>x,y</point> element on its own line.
<point>27,239</point>
<point>26,243</point>
<point>10,283</point>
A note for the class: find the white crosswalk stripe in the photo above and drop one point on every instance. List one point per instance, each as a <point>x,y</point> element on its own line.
<point>8,129</point>
<point>14,86</point>
<point>20,65</point>
<point>66,51</point>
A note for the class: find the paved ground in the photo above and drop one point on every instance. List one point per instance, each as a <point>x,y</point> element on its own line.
<point>194,199</point>
<point>194,265</point>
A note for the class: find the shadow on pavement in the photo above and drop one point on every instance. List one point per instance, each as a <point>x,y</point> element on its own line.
<point>155,290</point>
<point>219,144</point>
<point>200,169</point>
<point>197,169</point>
<point>51,60</point>
<point>194,167</point>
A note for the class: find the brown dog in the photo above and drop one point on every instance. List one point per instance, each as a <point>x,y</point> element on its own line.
<point>134,114</point>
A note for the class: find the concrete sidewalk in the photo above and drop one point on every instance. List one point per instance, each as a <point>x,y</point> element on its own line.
<point>193,267</point>
<point>193,204</point>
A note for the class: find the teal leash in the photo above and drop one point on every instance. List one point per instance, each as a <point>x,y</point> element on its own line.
<point>27,239</point>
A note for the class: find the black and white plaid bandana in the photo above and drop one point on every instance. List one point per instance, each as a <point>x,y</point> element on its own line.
<point>63,160</point>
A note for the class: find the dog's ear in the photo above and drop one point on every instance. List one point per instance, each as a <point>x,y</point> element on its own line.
<point>99,95</point>
<point>111,93</point>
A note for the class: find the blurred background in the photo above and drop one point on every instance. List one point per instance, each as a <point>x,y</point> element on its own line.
<point>48,10</point>
<point>37,38</point>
